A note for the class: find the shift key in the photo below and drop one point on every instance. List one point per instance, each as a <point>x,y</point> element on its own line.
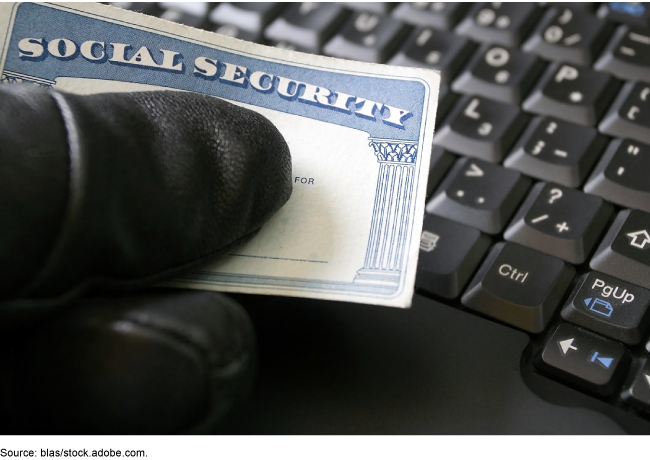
<point>519,286</point>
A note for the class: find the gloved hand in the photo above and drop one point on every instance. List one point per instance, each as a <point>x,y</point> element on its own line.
<point>101,196</point>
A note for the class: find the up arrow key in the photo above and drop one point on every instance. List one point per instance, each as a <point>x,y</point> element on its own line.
<point>474,171</point>
<point>566,345</point>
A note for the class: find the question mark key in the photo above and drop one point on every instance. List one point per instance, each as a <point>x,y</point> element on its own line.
<point>559,221</point>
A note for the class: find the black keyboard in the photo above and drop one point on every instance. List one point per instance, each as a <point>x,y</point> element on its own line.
<point>538,215</point>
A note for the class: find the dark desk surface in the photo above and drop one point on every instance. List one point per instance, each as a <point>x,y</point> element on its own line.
<point>334,368</point>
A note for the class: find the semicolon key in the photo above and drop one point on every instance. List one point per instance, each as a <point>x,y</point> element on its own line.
<point>557,151</point>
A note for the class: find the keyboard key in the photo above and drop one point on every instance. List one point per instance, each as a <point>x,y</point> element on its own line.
<point>149,8</point>
<point>372,7</point>
<point>637,391</point>
<point>610,307</point>
<point>367,37</point>
<point>251,16</point>
<point>500,23</point>
<point>479,194</point>
<point>481,128</point>
<point>621,176</point>
<point>230,30</point>
<point>439,15</point>
<point>628,54</point>
<point>433,49</point>
<point>586,7</point>
<point>502,74</point>
<point>629,115</point>
<point>449,253</point>
<point>625,250</point>
<point>627,12</point>
<point>197,9</point>
<point>556,150</point>
<point>519,286</point>
<point>446,99</point>
<point>560,221</point>
<point>586,360</point>
<point>570,36</point>
<point>576,94</point>
<point>288,46</point>
<point>441,161</point>
<point>182,16</point>
<point>306,25</point>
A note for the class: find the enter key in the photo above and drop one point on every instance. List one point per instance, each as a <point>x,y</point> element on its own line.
<point>610,307</point>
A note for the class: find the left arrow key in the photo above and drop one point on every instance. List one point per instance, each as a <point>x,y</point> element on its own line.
<point>583,359</point>
<point>566,345</point>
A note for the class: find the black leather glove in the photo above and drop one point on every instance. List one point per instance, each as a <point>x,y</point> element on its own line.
<point>106,194</point>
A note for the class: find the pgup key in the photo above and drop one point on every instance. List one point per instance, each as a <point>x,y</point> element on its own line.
<point>481,128</point>
<point>609,306</point>
<point>576,94</point>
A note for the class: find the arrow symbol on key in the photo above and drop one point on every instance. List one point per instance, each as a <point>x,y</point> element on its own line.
<point>566,345</point>
<point>474,171</point>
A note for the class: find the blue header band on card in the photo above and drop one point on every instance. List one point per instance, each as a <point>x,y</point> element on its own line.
<point>48,43</point>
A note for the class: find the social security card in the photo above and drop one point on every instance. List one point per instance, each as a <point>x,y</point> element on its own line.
<point>360,137</point>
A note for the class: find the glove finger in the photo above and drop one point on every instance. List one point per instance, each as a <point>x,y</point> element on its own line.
<point>129,188</point>
<point>153,363</point>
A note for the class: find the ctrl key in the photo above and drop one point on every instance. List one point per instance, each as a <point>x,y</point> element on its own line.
<point>584,359</point>
<point>519,286</point>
